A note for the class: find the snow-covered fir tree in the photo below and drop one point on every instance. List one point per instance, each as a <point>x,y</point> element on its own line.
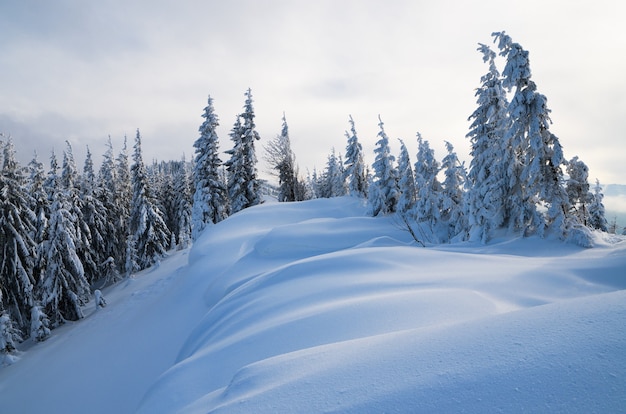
<point>406,183</point>
<point>182,206</point>
<point>243,184</point>
<point>577,189</point>
<point>428,204</point>
<point>17,252</point>
<point>161,181</point>
<point>453,205</point>
<point>41,210</point>
<point>354,167</point>
<point>538,175</point>
<point>64,288</point>
<point>123,198</point>
<point>96,218</point>
<point>384,190</point>
<point>37,191</point>
<point>39,324</point>
<point>75,206</point>
<point>9,336</point>
<point>282,160</point>
<point>210,197</point>
<point>106,192</point>
<point>597,218</point>
<point>149,233</point>
<point>332,182</point>
<point>492,159</point>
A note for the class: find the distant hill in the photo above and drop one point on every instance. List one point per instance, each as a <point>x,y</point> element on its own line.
<point>614,190</point>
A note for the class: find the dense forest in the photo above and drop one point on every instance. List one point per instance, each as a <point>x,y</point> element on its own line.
<point>65,234</point>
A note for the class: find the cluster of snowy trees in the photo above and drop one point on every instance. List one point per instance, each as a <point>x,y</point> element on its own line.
<point>64,234</point>
<point>518,178</point>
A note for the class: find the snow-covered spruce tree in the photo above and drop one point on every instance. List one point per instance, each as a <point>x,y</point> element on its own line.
<point>453,206</point>
<point>210,197</point>
<point>41,205</point>
<point>106,192</point>
<point>354,167</point>
<point>282,160</point>
<point>17,247</point>
<point>123,198</point>
<point>96,218</point>
<point>597,218</point>
<point>161,182</point>
<point>538,177</point>
<point>41,210</point>
<point>577,189</point>
<point>75,206</point>
<point>332,182</point>
<point>64,288</point>
<point>492,159</point>
<point>182,206</point>
<point>243,185</point>
<point>150,234</point>
<point>9,336</point>
<point>384,190</point>
<point>428,203</point>
<point>39,324</point>
<point>406,183</point>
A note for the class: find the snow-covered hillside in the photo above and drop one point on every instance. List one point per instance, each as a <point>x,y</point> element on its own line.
<point>316,307</point>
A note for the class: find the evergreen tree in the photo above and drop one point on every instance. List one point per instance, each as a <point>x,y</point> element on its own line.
<point>96,218</point>
<point>41,206</point>
<point>597,218</point>
<point>452,195</point>
<point>408,193</point>
<point>354,165</point>
<point>64,288</point>
<point>182,225</point>
<point>149,232</point>
<point>9,335</point>
<point>281,158</point>
<point>492,159</point>
<point>123,198</point>
<point>40,325</point>
<point>17,252</point>
<point>384,190</point>
<point>52,183</point>
<point>428,204</point>
<point>243,185</point>
<point>577,189</point>
<point>41,210</point>
<point>538,174</point>
<point>210,198</point>
<point>106,192</point>
<point>332,182</point>
<point>75,204</point>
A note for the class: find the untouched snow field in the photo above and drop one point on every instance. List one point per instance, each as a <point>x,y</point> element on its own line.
<point>314,307</point>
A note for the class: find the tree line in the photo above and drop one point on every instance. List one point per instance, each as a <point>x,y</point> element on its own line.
<point>64,234</point>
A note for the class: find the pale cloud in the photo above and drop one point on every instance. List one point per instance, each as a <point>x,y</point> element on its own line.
<point>83,70</point>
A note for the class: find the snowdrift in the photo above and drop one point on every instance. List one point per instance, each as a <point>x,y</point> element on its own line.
<point>315,307</point>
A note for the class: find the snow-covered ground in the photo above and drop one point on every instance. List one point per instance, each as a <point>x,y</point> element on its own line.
<point>315,307</point>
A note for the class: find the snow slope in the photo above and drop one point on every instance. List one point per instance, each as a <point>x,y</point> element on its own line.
<point>315,307</point>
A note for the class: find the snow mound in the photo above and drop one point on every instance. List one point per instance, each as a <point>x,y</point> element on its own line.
<point>321,308</point>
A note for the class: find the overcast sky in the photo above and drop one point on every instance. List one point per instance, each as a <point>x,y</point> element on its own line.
<point>81,70</point>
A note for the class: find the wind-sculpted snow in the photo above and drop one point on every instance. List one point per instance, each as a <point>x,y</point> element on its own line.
<point>320,312</point>
<point>315,307</point>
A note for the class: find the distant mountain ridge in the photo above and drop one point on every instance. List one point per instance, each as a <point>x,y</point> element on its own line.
<point>612,190</point>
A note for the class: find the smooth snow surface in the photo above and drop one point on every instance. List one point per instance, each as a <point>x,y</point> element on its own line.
<point>314,307</point>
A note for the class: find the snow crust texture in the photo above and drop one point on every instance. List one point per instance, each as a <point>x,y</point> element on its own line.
<point>315,307</point>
